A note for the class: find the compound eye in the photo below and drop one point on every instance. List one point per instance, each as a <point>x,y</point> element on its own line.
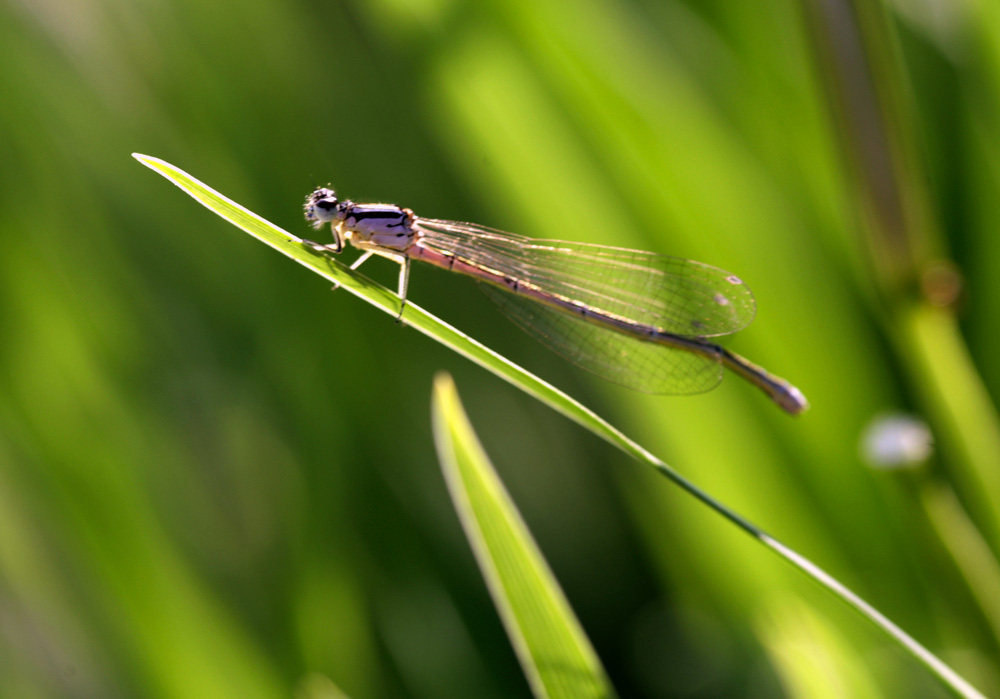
<point>321,205</point>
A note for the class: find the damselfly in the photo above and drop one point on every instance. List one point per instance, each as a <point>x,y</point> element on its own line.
<point>639,319</point>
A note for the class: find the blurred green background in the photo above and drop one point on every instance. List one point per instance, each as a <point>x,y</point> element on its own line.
<point>217,477</point>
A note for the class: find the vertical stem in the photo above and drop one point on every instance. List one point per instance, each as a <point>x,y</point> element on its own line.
<point>913,283</point>
<point>967,548</point>
<point>957,403</point>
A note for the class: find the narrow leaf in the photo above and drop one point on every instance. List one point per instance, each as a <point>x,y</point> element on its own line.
<point>554,651</point>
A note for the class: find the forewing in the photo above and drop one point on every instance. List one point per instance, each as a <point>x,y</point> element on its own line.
<point>671,294</point>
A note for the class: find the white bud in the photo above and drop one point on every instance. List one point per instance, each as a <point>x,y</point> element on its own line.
<point>896,441</point>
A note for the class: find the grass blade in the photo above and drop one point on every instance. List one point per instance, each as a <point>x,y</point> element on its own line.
<point>362,287</point>
<point>554,651</point>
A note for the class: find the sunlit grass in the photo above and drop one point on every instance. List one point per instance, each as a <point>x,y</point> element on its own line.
<point>351,281</point>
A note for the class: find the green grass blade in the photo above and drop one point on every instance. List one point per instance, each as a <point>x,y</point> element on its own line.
<point>362,287</point>
<point>358,284</point>
<point>554,651</point>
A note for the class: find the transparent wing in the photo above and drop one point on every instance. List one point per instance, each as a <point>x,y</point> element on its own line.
<point>671,294</point>
<point>615,356</point>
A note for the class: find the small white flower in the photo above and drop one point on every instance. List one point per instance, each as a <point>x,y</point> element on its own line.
<point>896,441</point>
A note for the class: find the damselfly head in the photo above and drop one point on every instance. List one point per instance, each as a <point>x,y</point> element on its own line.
<point>321,207</point>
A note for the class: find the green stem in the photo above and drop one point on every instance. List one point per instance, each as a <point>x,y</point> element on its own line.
<point>958,405</point>
<point>967,548</point>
